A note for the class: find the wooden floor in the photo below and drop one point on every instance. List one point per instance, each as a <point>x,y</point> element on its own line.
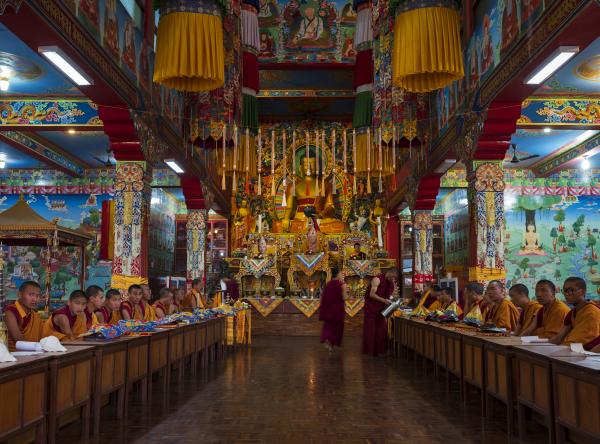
<point>289,389</point>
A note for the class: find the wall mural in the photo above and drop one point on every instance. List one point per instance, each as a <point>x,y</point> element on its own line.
<point>306,31</point>
<point>500,25</point>
<point>76,211</point>
<point>456,230</point>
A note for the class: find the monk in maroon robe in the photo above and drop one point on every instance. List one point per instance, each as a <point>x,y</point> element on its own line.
<point>331,311</point>
<point>375,338</point>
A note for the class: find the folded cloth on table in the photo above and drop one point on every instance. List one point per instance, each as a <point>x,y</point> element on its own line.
<point>5,356</point>
<point>28,346</point>
<point>106,331</point>
<point>52,344</point>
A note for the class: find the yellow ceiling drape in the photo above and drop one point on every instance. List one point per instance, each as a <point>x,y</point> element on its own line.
<point>427,52</point>
<point>189,51</point>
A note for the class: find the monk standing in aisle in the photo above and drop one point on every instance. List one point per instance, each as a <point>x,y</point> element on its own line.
<point>502,313</point>
<point>519,295</point>
<point>21,318</point>
<point>332,311</point>
<point>582,323</point>
<point>375,338</point>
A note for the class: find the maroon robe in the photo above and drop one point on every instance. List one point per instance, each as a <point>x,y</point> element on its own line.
<point>375,339</point>
<point>331,312</point>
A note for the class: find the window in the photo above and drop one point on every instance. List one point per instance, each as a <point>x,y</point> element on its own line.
<point>135,11</point>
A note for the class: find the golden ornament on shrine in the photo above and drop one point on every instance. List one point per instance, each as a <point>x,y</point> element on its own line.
<point>427,53</point>
<point>189,45</point>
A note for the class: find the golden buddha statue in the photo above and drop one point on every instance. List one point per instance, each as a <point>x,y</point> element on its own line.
<point>377,221</point>
<point>306,197</point>
<point>242,224</point>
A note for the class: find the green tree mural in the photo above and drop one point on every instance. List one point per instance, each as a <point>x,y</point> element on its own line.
<point>591,242</point>
<point>530,204</point>
<point>560,218</point>
<point>578,224</point>
<point>562,241</point>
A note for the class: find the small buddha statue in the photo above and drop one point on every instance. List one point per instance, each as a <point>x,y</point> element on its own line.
<point>377,219</point>
<point>242,223</point>
<point>306,196</point>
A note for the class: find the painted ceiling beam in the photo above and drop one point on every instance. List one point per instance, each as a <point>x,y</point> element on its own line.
<point>551,164</point>
<point>560,113</point>
<point>48,113</point>
<point>296,93</point>
<point>34,147</point>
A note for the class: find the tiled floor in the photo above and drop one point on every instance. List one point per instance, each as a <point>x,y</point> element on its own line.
<point>289,389</point>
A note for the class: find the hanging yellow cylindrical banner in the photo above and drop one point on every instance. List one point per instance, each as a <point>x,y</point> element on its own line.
<point>244,161</point>
<point>189,45</point>
<point>427,53</point>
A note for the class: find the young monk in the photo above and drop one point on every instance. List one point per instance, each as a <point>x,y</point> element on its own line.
<point>474,297</point>
<point>61,323</point>
<point>21,318</point>
<point>550,318</point>
<point>132,307</point>
<point>380,288</point>
<point>582,323</point>
<point>194,298</point>
<point>446,302</point>
<point>332,311</point>
<point>429,297</point>
<point>95,300</point>
<point>178,296</point>
<point>519,295</point>
<point>502,313</point>
<point>165,299</point>
<point>109,312</point>
<point>149,314</point>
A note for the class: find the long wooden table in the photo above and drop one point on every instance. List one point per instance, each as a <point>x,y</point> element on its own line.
<point>38,390</point>
<point>560,386</point>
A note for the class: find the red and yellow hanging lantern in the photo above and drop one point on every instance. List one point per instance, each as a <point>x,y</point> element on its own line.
<point>189,45</point>
<point>427,52</point>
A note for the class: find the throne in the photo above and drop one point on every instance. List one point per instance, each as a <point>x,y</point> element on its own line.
<point>356,272</point>
<point>258,274</point>
<point>309,270</point>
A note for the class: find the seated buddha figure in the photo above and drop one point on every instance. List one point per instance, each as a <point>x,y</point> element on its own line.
<point>306,197</point>
<point>531,242</point>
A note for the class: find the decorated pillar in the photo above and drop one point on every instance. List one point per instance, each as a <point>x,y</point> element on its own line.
<point>132,203</point>
<point>422,248</point>
<point>486,215</point>
<point>363,68</point>
<point>196,243</point>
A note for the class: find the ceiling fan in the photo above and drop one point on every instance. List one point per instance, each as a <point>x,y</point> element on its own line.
<point>516,159</point>
<point>106,162</point>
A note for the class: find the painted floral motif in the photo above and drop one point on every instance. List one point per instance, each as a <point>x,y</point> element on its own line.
<point>423,238</point>
<point>196,243</point>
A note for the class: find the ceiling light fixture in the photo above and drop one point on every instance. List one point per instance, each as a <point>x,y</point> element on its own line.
<point>174,165</point>
<point>71,131</point>
<point>552,64</point>
<point>4,84</point>
<point>585,164</point>
<point>547,130</point>
<point>62,62</point>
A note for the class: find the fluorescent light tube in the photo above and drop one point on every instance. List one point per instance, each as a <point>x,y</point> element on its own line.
<point>552,64</point>
<point>174,166</point>
<point>62,62</point>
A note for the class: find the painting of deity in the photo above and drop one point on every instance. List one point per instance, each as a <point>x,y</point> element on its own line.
<point>348,14</point>
<point>510,22</point>
<point>268,14</point>
<point>530,11</point>
<point>311,26</point>
<point>348,49</point>
<point>268,45</point>
<point>111,28</point>
<point>487,55</point>
<point>144,67</point>
<point>128,55</point>
<point>89,12</point>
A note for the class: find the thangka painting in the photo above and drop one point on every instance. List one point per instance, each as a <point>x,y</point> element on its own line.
<point>76,211</point>
<point>161,233</point>
<point>306,31</point>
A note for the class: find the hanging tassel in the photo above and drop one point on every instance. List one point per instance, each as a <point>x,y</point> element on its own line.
<point>259,162</point>
<point>380,162</point>
<point>284,198</point>
<point>317,192</point>
<point>369,160</point>
<point>284,181</point>
<point>223,185</point>
<point>333,187</point>
<point>247,186</point>
<point>294,163</point>
<point>354,159</point>
<point>394,149</point>
<point>273,163</point>
<point>323,163</point>
<point>234,177</point>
